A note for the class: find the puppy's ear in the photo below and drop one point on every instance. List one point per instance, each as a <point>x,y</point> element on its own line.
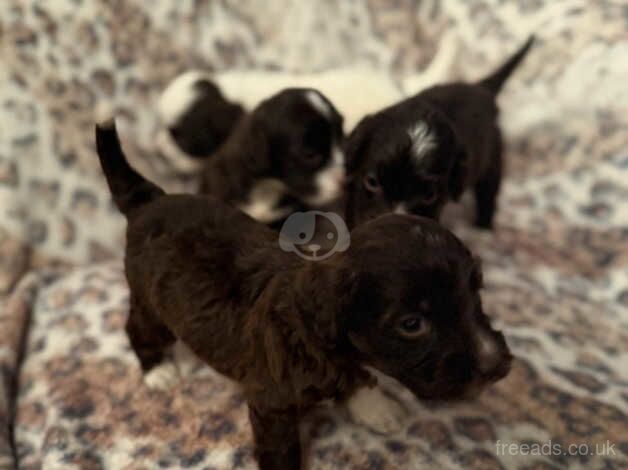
<point>275,353</point>
<point>322,293</point>
<point>357,143</point>
<point>457,174</point>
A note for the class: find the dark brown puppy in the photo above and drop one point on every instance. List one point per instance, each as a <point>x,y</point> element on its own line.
<point>404,298</point>
<point>416,155</point>
<point>283,156</point>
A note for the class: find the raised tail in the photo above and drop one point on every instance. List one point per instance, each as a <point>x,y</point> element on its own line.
<point>496,80</point>
<point>128,188</point>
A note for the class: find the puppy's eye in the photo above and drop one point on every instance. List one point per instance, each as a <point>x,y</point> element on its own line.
<point>429,193</point>
<point>312,158</point>
<point>371,183</point>
<point>413,326</point>
<point>317,140</point>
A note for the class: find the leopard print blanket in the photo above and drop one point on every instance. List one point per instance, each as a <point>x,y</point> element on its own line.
<point>556,265</point>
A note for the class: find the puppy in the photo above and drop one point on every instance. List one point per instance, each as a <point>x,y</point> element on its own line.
<point>426,150</point>
<point>403,298</point>
<point>284,156</point>
<point>198,119</point>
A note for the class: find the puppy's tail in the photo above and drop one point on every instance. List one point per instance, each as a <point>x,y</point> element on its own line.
<point>496,80</point>
<point>128,188</point>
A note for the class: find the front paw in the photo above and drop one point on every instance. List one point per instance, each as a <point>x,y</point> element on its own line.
<point>163,376</point>
<point>371,408</point>
<point>284,459</point>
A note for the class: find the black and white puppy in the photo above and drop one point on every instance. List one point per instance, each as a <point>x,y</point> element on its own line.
<point>418,154</point>
<point>197,117</point>
<point>285,155</point>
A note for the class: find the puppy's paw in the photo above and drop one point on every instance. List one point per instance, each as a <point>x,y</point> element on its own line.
<point>187,362</point>
<point>370,407</point>
<point>162,377</point>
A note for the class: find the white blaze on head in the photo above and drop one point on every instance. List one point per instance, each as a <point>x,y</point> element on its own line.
<point>330,179</point>
<point>422,140</point>
<point>178,96</point>
<point>317,101</point>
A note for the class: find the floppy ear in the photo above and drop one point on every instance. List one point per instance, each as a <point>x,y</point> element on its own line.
<point>275,354</point>
<point>265,331</point>
<point>322,293</point>
<point>457,174</point>
<point>357,142</point>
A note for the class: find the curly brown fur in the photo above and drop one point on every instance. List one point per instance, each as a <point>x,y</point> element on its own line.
<point>404,298</point>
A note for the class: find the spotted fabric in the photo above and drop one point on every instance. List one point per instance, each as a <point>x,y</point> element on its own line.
<point>556,265</point>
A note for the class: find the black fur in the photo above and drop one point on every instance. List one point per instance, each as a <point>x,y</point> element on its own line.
<point>466,152</point>
<point>206,123</point>
<point>284,139</point>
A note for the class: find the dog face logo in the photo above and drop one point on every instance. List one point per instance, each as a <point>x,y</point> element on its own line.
<point>314,235</point>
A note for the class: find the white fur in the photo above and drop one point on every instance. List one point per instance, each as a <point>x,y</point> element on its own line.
<point>401,209</point>
<point>163,376</point>
<point>178,96</point>
<point>439,69</point>
<point>104,115</point>
<point>263,200</point>
<point>317,101</point>
<point>185,359</point>
<point>422,140</point>
<point>378,412</point>
<point>180,160</point>
<point>355,90</point>
<point>329,180</point>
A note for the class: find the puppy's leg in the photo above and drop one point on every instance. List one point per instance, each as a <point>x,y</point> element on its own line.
<point>276,436</point>
<point>150,339</point>
<point>370,407</point>
<point>487,189</point>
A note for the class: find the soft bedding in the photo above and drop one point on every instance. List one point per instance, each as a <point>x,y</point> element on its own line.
<point>556,265</point>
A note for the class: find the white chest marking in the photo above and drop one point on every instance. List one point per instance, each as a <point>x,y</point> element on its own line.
<point>329,180</point>
<point>401,209</point>
<point>264,199</point>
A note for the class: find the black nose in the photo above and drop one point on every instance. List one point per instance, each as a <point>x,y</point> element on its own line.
<point>459,367</point>
<point>500,369</point>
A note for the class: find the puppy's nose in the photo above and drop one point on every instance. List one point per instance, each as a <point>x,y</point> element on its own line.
<point>494,359</point>
<point>489,352</point>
